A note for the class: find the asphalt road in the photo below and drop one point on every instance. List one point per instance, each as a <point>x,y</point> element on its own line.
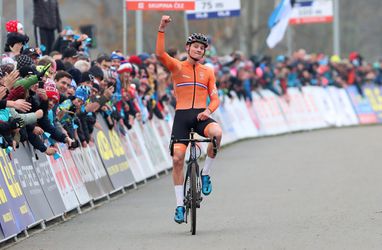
<point>312,190</point>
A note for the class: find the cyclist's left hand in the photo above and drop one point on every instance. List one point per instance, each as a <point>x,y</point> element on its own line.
<point>204,115</point>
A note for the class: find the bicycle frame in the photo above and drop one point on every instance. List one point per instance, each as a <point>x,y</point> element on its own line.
<point>192,194</point>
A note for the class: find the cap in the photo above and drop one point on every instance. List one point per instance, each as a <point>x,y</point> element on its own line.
<point>125,67</point>
<point>31,52</point>
<point>23,60</point>
<point>69,52</point>
<point>115,56</point>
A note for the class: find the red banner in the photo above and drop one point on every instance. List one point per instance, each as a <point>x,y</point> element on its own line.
<point>160,5</point>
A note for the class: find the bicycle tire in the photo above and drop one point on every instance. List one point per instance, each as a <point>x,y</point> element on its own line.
<point>194,196</point>
<point>187,193</point>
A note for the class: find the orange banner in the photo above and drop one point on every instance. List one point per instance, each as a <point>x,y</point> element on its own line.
<point>161,5</point>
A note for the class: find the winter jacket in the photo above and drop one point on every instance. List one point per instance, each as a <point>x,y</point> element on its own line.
<point>46,14</point>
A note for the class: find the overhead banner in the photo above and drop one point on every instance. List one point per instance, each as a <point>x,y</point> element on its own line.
<point>168,5</point>
<point>113,155</point>
<point>205,9</point>
<point>22,161</point>
<point>312,11</point>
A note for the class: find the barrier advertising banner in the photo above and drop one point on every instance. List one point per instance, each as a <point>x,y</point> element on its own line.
<point>271,117</point>
<point>298,118</point>
<point>374,94</point>
<point>234,120</point>
<point>113,155</point>
<point>64,184</point>
<point>132,159</point>
<point>22,161</point>
<point>140,150</point>
<point>19,206</point>
<point>74,175</point>
<point>221,116</point>
<point>91,183</point>
<point>151,153</point>
<point>320,108</point>
<point>344,109</point>
<point>154,146</point>
<point>96,166</point>
<point>362,107</point>
<point>240,111</point>
<point>48,183</point>
<point>253,116</point>
<point>7,220</point>
<point>163,135</point>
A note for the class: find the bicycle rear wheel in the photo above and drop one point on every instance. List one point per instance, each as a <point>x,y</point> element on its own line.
<point>194,196</point>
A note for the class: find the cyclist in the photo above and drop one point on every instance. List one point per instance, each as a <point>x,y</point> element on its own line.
<point>193,84</point>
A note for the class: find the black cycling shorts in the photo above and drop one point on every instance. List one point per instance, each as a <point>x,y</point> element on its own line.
<point>185,120</point>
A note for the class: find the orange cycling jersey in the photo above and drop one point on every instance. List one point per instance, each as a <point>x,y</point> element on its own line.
<point>192,83</point>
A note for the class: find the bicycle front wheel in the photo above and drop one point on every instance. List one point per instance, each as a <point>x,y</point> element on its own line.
<point>194,197</point>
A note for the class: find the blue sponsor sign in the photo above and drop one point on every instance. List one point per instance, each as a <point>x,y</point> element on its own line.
<point>374,94</point>
<point>361,106</point>
<point>215,14</point>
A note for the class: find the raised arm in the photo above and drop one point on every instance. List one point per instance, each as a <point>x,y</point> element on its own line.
<point>171,63</point>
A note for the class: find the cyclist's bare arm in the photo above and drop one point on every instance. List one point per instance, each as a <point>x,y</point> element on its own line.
<point>171,63</point>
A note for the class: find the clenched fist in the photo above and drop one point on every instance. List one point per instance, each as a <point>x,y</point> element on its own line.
<point>163,23</point>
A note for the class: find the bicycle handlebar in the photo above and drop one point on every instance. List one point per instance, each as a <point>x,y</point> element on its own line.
<point>214,142</point>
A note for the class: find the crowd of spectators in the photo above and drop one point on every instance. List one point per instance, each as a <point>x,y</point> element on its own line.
<point>242,75</point>
<point>57,96</point>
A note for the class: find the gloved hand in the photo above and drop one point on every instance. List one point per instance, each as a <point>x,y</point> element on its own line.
<point>17,123</point>
<point>42,72</point>
<point>3,143</point>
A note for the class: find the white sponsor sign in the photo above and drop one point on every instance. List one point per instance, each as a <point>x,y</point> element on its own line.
<point>312,11</point>
<point>214,9</point>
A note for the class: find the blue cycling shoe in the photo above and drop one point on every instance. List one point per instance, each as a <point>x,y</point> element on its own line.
<point>206,184</point>
<point>179,214</point>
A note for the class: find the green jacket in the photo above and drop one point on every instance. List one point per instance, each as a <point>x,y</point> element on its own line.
<point>26,82</point>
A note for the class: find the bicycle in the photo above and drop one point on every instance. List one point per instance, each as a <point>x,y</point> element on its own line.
<point>192,183</point>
